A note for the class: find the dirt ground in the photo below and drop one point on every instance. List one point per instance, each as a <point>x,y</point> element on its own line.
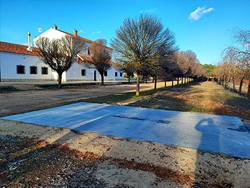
<point>110,161</point>
<point>25,101</point>
<point>40,156</point>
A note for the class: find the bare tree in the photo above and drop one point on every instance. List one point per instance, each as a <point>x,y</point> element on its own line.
<point>142,42</point>
<point>101,57</point>
<point>242,48</point>
<point>231,66</point>
<point>236,60</point>
<point>189,65</point>
<point>59,54</point>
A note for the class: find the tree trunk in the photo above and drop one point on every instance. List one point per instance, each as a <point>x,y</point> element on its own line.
<point>233,84</point>
<point>128,79</point>
<point>182,80</point>
<point>248,91</point>
<point>59,80</point>
<point>172,82</point>
<point>102,77</point>
<point>138,85</point>
<point>240,88</point>
<point>178,81</point>
<point>165,83</point>
<point>155,78</point>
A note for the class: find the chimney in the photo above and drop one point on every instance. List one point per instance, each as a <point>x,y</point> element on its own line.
<point>75,32</point>
<point>55,27</point>
<point>29,43</point>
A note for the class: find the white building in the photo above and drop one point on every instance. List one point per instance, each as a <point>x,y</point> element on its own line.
<point>19,63</point>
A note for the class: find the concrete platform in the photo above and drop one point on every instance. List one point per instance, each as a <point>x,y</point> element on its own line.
<point>220,134</point>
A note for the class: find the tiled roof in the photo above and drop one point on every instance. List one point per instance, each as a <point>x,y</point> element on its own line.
<point>87,59</point>
<point>17,48</point>
<point>87,40</point>
<point>84,58</point>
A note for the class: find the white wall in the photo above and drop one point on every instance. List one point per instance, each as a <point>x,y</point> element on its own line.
<point>51,34</point>
<point>9,62</point>
<point>74,73</point>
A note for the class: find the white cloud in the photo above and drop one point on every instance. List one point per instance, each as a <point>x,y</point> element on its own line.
<point>197,14</point>
<point>97,32</point>
<point>148,11</point>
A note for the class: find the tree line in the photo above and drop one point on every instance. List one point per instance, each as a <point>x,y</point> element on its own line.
<point>141,47</point>
<point>235,62</point>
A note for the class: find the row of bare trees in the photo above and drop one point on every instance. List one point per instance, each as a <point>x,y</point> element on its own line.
<point>235,64</point>
<point>142,46</point>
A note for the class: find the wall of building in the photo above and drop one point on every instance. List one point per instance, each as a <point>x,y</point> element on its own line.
<point>9,62</point>
<point>75,73</point>
<point>51,33</point>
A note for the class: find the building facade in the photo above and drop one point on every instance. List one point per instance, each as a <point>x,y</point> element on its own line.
<point>22,63</point>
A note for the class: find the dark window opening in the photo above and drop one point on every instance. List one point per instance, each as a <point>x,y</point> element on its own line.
<point>44,70</point>
<point>20,69</point>
<point>115,73</point>
<point>105,73</point>
<point>83,72</point>
<point>88,51</point>
<point>33,70</point>
<point>120,74</point>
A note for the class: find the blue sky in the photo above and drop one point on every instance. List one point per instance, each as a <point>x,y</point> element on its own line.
<point>203,26</point>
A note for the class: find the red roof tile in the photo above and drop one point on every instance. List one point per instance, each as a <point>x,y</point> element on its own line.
<point>84,58</point>
<point>17,48</point>
<point>87,59</point>
<point>87,40</point>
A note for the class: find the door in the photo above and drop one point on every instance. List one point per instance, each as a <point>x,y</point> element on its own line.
<point>95,75</point>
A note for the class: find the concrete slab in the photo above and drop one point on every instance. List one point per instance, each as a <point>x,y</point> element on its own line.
<point>220,134</point>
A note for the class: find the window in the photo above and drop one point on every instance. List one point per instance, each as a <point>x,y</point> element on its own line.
<point>120,74</point>
<point>88,51</point>
<point>20,69</point>
<point>83,72</point>
<point>115,73</point>
<point>44,70</point>
<point>33,70</point>
<point>105,73</point>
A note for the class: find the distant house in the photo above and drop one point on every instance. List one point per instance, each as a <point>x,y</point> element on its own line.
<point>22,63</point>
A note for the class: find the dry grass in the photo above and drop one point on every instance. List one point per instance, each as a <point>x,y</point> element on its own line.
<point>201,97</point>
